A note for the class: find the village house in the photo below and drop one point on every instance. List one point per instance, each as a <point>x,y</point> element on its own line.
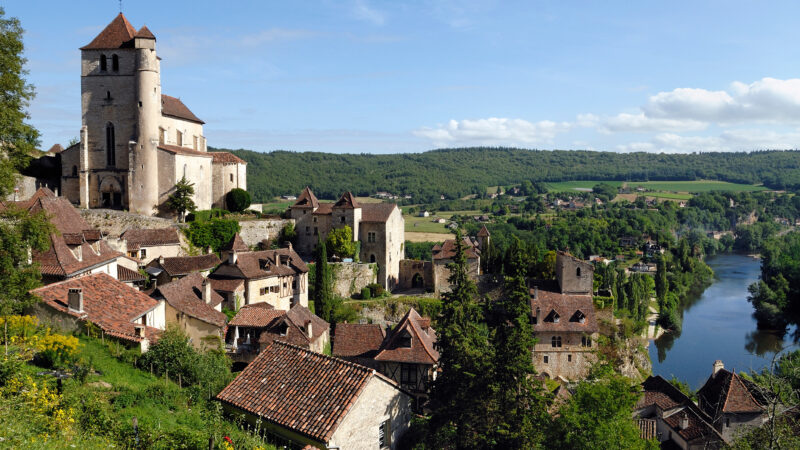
<point>564,320</point>
<point>130,277</point>
<point>731,402</point>
<point>195,308</point>
<point>444,253</point>
<point>118,310</point>
<point>379,227</point>
<point>300,397</point>
<point>278,277</point>
<point>406,354</point>
<point>165,270</point>
<point>147,244</point>
<point>667,414</point>
<point>135,143</point>
<point>76,249</point>
<point>258,325</point>
<point>236,244</point>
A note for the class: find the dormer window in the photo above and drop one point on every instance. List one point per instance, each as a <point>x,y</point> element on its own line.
<point>103,63</point>
<point>579,317</point>
<point>404,340</point>
<point>552,317</point>
<point>115,63</point>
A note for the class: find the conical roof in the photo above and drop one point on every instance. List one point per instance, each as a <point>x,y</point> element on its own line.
<point>347,201</point>
<point>145,33</point>
<point>484,232</point>
<point>118,34</point>
<point>307,199</point>
<point>236,244</point>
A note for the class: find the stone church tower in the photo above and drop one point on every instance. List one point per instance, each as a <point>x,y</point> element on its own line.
<point>136,143</point>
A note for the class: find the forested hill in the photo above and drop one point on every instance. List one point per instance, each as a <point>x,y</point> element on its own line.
<point>462,171</point>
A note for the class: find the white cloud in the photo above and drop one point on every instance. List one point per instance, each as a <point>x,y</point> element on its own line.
<point>624,122</point>
<point>365,12</point>
<point>493,131</point>
<point>727,141</point>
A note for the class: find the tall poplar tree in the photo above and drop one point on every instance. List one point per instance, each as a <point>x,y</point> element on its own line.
<point>459,395</point>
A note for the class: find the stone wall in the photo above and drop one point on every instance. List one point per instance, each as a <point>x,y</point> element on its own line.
<point>350,277</point>
<point>113,222</point>
<point>410,268</point>
<point>255,231</point>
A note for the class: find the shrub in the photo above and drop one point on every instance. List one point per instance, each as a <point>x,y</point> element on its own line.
<point>366,294</point>
<point>344,313</point>
<point>56,350</point>
<point>10,365</point>
<point>206,215</point>
<point>376,290</point>
<point>237,200</point>
<point>213,233</point>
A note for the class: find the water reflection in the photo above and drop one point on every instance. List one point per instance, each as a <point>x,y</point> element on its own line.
<point>767,342</point>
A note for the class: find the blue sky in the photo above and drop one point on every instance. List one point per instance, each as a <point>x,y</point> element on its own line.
<point>383,77</point>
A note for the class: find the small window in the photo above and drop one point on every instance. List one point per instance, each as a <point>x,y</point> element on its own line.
<point>371,236</point>
<point>342,219</point>
<point>308,230</point>
<point>372,258</point>
<point>103,63</point>
<point>546,359</point>
<point>143,253</point>
<point>194,145</point>
<point>74,171</point>
<point>586,341</point>
<point>384,435</point>
<point>178,138</point>
<point>556,341</point>
<point>727,422</point>
<point>108,95</point>
<point>115,63</point>
<point>578,272</point>
<point>111,157</point>
<point>262,291</point>
<point>231,176</point>
<point>569,358</point>
<point>316,231</point>
<point>408,374</point>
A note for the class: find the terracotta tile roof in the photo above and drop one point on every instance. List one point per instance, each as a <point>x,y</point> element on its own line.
<point>647,428</point>
<point>660,392</point>
<point>698,428</point>
<point>307,199</point>
<point>117,34</point>
<point>226,158</point>
<point>256,315</point>
<point>76,247</point>
<point>125,274</point>
<point>186,295</point>
<point>423,341</point>
<point>110,304</point>
<point>145,33</point>
<point>227,284</point>
<point>183,265</point>
<point>137,238</point>
<point>174,107</point>
<point>57,148</point>
<point>347,201</point>
<point>727,392</point>
<point>306,392</point>
<point>484,232</point>
<point>358,340</point>
<point>174,149</point>
<point>325,209</point>
<point>568,308</point>
<point>377,212</point>
<point>447,250</point>
<point>236,243</point>
<point>262,264</point>
<point>300,317</point>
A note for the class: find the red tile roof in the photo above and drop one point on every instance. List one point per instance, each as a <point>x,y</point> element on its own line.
<point>174,107</point>
<point>236,243</point>
<point>447,250</point>
<point>660,392</point>
<point>727,392</point>
<point>137,238</point>
<point>256,315</point>
<point>174,149</point>
<point>698,428</point>
<point>183,265</point>
<point>110,304</point>
<point>262,264</point>
<point>306,392</point>
<point>57,148</point>
<point>566,306</point>
<point>423,341</point>
<point>357,340</point>
<point>227,284</point>
<point>276,324</point>
<point>186,295</point>
<point>324,209</point>
<point>307,199</point>
<point>347,201</point>
<point>125,274</point>
<point>144,33</point>
<point>483,232</point>
<point>226,158</point>
<point>117,34</point>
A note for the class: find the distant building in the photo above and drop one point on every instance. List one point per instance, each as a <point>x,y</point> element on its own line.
<point>146,244</point>
<point>165,270</point>
<point>443,255</point>
<point>300,397</point>
<point>731,402</point>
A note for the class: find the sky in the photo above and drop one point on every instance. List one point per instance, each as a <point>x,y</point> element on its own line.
<point>360,76</point>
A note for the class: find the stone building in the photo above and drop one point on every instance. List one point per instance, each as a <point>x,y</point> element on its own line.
<point>135,142</point>
<point>443,255</point>
<point>147,244</point>
<point>302,398</point>
<point>731,402</point>
<point>166,270</point>
<point>564,320</point>
<point>379,227</point>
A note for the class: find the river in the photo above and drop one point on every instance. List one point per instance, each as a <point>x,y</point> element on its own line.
<point>718,324</point>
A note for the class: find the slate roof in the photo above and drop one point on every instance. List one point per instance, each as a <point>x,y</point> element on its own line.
<point>177,150</point>
<point>358,340</point>
<point>186,295</point>
<point>549,299</point>
<point>262,264</point>
<point>108,303</point>
<point>127,275</point>
<point>306,392</point>
<point>117,34</point>
<point>137,238</point>
<point>307,199</point>
<point>727,392</point>
<point>447,250</point>
<point>423,340</point>
<point>226,158</point>
<point>236,243</point>
<point>174,107</point>
<point>183,265</point>
<point>74,237</point>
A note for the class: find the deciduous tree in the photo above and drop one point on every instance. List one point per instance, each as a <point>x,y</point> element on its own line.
<point>181,200</point>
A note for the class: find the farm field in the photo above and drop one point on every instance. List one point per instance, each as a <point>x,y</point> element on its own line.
<point>416,236</point>
<point>415,223</point>
<point>696,186</point>
<point>566,186</point>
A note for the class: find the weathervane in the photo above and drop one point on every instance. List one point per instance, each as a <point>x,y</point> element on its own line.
<point>120,6</point>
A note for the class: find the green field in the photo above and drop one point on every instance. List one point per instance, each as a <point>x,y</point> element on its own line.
<point>427,225</point>
<point>663,188</point>
<point>566,186</point>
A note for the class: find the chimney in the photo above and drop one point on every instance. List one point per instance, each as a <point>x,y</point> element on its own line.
<point>75,299</point>
<point>536,293</point>
<point>232,257</point>
<point>208,250</point>
<point>206,291</point>
<point>717,367</point>
<point>161,260</point>
<point>289,244</point>
<point>308,329</point>
<point>139,330</point>
<point>684,421</point>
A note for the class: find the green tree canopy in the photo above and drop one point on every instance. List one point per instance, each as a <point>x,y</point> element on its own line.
<point>340,242</point>
<point>181,199</point>
<point>237,200</point>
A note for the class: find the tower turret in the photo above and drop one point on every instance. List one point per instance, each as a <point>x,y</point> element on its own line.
<point>143,157</point>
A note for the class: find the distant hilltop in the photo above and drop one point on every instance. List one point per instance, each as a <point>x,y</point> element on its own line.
<point>455,173</point>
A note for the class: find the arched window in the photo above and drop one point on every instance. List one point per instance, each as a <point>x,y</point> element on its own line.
<point>578,272</point>
<point>111,156</point>
<point>115,63</point>
<point>103,63</point>
<point>556,341</point>
<point>74,171</point>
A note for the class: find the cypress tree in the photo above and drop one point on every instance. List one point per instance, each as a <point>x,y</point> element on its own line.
<point>459,395</point>
<point>323,293</point>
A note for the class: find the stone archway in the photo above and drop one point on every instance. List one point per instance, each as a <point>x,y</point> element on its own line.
<point>417,281</point>
<point>111,192</point>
